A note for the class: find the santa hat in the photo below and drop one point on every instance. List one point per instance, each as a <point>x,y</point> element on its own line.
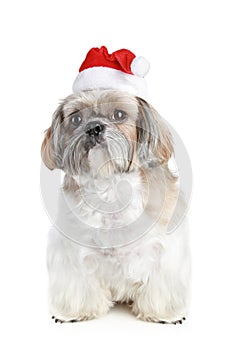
<point>121,70</point>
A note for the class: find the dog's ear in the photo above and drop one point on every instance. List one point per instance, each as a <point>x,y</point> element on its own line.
<point>47,151</point>
<point>153,136</point>
<point>51,146</point>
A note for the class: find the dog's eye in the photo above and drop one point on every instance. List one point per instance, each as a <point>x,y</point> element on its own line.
<point>75,119</point>
<point>118,116</point>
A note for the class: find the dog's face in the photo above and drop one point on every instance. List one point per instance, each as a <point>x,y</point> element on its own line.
<point>105,132</point>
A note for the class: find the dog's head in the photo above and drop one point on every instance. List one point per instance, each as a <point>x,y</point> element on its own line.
<point>105,132</point>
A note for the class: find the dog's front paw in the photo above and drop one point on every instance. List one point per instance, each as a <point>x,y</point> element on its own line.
<point>82,315</point>
<point>180,321</point>
<point>78,319</point>
<point>58,320</point>
<point>156,319</point>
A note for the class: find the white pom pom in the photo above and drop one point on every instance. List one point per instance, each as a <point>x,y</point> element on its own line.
<point>140,66</point>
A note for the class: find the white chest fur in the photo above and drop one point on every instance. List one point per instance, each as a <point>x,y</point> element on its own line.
<point>103,212</point>
<point>113,202</point>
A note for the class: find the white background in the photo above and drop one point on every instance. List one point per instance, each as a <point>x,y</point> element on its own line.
<point>189,45</point>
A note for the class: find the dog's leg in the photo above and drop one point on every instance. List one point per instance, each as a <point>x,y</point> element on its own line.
<point>165,296</point>
<point>75,293</point>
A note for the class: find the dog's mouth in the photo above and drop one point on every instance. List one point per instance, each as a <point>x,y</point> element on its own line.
<point>94,142</point>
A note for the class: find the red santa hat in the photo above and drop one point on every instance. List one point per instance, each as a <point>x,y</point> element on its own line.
<point>121,70</point>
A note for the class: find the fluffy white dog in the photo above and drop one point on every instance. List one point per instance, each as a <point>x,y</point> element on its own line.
<point>110,242</point>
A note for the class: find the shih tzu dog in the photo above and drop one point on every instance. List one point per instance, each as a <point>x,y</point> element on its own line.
<point>110,243</point>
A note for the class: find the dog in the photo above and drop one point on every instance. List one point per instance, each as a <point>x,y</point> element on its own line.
<point>110,243</point>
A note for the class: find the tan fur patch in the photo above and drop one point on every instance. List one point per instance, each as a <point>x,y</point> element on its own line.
<point>47,151</point>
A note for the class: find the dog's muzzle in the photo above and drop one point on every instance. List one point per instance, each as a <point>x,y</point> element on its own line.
<point>94,133</point>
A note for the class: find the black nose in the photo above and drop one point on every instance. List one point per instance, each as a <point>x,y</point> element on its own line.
<point>94,129</point>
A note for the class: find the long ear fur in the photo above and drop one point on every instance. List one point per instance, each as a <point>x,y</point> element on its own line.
<point>47,151</point>
<point>50,149</point>
<point>153,135</point>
